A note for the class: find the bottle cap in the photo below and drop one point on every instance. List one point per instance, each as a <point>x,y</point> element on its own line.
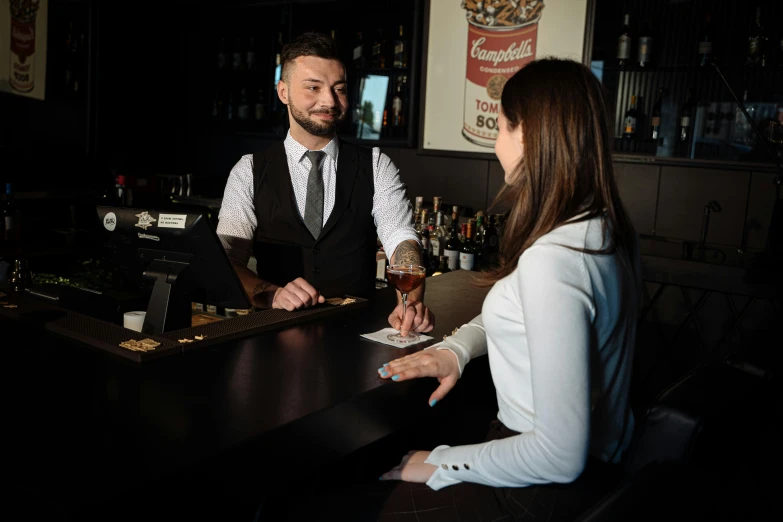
<point>120,179</point>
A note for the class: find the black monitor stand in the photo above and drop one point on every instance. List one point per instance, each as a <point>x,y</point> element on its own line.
<point>169,307</point>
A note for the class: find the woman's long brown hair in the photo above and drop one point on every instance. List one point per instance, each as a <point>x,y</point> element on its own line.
<point>567,168</point>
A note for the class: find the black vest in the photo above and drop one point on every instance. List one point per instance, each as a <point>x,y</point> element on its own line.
<point>342,260</point>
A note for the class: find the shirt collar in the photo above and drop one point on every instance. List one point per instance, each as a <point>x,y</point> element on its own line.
<point>297,150</point>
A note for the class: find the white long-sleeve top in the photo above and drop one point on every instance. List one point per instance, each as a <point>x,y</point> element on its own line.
<point>559,332</point>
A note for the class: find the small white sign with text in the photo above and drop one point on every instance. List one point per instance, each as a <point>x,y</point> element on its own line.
<point>171,221</point>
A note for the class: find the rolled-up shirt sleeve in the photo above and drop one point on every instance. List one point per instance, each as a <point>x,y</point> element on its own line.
<point>391,208</point>
<point>237,219</point>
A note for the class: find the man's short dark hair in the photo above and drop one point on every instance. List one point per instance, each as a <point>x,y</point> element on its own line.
<point>307,44</point>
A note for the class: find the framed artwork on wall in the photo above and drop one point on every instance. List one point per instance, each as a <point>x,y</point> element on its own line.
<point>472,47</point>
<point>23,31</point>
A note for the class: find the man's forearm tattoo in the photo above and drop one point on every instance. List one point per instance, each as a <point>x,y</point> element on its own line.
<point>407,253</point>
<point>263,286</point>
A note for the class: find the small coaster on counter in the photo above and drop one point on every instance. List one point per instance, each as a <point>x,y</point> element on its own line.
<point>381,336</point>
<point>145,345</point>
<point>340,301</point>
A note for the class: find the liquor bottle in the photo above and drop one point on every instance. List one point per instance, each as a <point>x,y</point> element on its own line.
<point>479,241</point>
<point>260,105</point>
<point>398,101</point>
<point>419,204</point>
<point>230,107</point>
<point>685,127</point>
<point>757,43</point>
<point>713,121</point>
<point>780,50</point>
<point>243,107</point>
<point>426,262</point>
<point>250,56</point>
<point>359,53</point>
<point>377,58</point>
<point>437,242</point>
<point>630,120</point>
<point>624,43</point>
<point>453,244</point>
<point>706,47</point>
<point>278,109</point>
<point>492,242</point>
<point>12,217</point>
<point>741,131</point>
<point>400,51</point>
<point>443,266</point>
<point>655,118</point>
<point>222,55</point>
<point>236,55</point>
<point>645,47</point>
<point>467,254</point>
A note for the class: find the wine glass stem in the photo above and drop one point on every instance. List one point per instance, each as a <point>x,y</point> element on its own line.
<point>404,307</point>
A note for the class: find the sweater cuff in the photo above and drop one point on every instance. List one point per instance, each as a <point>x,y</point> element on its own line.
<point>442,477</point>
<point>470,341</point>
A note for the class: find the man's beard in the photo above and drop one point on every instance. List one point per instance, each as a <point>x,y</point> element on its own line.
<point>324,128</point>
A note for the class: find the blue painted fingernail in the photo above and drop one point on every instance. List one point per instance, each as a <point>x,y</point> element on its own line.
<point>386,364</point>
<point>380,478</point>
<point>395,377</point>
<point>380,369</point>
<point>384,374</point>
<point>433,402</point>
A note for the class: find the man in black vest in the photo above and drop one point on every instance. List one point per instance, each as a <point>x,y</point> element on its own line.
<point>311,207</point>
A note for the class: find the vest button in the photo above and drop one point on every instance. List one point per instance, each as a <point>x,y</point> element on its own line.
<point>316,270</point>
<point>316,250</point>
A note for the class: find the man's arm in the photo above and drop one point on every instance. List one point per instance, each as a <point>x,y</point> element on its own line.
<point>417,316</point>
<point>264,294</point>
<point>408,253</point>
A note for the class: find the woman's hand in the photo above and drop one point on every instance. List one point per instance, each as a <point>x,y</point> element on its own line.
<point>412,468</point>
<point>441,364</point>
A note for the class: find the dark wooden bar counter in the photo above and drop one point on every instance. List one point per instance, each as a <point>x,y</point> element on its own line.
<point>88,432</point>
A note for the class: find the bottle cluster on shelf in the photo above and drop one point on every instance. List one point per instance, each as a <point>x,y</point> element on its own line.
<point>700,128</point>
<point>245,90</point>
<point>380,95</point>
<point>246,75</point>
<point>451,241</point>
<point>638,44</point>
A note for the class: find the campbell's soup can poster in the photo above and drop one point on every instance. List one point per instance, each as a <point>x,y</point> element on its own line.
<point>474,47</point>
<point>23,27</point>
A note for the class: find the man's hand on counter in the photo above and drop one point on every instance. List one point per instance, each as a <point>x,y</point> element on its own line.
<point>418,318</point>
<point>296,294</point>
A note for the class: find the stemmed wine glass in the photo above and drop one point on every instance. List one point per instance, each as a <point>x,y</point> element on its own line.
<point>405,278</point>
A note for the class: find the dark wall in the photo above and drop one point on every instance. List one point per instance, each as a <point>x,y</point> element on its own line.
<point>46,144</point>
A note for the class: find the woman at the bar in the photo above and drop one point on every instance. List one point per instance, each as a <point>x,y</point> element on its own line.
<point>558,325</point>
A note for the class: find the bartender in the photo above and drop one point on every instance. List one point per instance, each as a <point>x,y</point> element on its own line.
<point>311,207</point>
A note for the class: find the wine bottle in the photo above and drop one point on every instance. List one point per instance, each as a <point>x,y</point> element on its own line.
<point>630,120</point>
<point>757,43</point>
<point>467,255</point>
<point>685,128</point>
<point>655,118</point>
<point>645,47</point>
<point>624,42</point>
<point>705,48</point>
<point>400,51</point>
<point>359,53</point>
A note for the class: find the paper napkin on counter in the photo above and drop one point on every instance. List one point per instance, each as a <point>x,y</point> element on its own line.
<point>380,337</point>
